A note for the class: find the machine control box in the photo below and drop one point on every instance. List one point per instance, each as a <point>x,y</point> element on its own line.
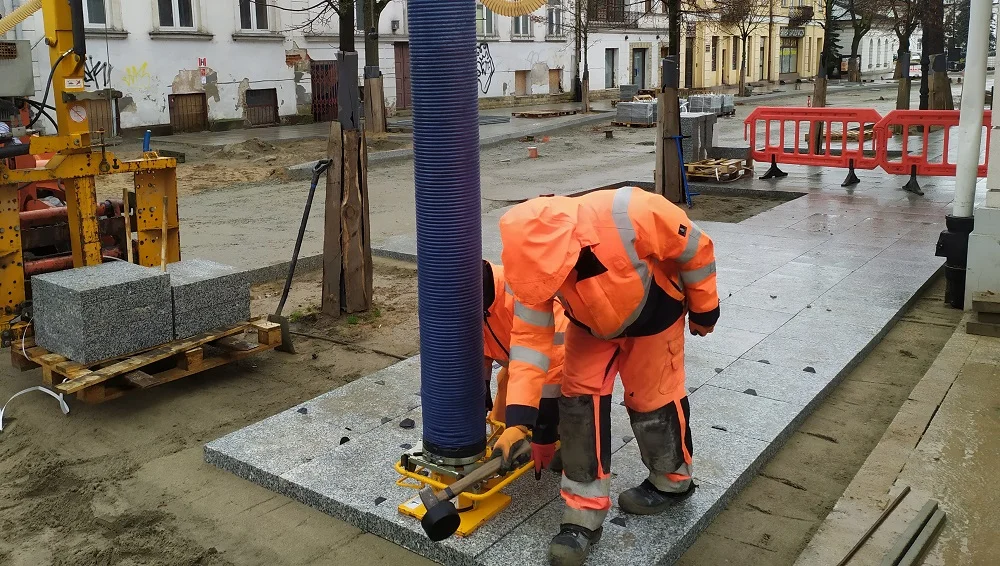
<point>17,76</point>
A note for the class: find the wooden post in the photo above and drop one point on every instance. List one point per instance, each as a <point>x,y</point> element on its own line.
<point>351,227</point>
<point>667,175</point>
<point>332,259</point>
<point>375,120</point>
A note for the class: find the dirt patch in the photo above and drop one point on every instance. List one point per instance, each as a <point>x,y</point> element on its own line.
<point>772,519</point>
<point>733,209</point>
<point>252,161</point>
<point>124,483</point>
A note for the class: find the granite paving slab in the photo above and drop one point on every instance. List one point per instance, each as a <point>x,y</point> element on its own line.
<point>815,282</point>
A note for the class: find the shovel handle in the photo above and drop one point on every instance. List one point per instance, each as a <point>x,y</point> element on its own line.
<point>480,474</point>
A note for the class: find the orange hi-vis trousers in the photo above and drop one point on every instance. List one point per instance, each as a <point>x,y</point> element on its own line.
<point>652,372</point>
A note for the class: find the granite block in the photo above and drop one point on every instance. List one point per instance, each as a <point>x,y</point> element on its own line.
<point>730,341</point>
<point>751,416</point>
<point>750,318</point>
<point>94,313</point>
<point>826,358</point>
<point>701,365</point>
<point>207,296</point>
<point>795,386</point>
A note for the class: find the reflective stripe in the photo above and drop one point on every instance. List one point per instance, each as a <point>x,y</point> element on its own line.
<point>623,222</point>
<point>694,237</point>
<point>678,481</point>
<point>589,490</point>
<point>588,518</point>
<point>533,317</point>
<point>530,356</point>
<point>509,291</point>
<point>696,276</point>
<point>559,339</point>
<point>551,391</point>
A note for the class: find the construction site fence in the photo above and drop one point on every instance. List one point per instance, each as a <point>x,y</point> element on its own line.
<point>903,142</point>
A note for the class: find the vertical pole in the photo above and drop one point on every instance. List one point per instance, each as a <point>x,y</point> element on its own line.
<point>970,126</point>
<point>667,174</point>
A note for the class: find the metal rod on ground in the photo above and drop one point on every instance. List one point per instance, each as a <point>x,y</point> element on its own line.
<point>923,540</point>
<point>163,234</point>
<point>896,553</point>
<point>871,530</point>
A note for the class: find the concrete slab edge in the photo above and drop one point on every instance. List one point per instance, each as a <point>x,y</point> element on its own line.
<point>304,170</point>
<point>276,271</point>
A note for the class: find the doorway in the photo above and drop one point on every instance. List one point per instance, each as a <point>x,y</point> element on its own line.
<point>188,112</point>
<point>689,62</point>
<point>262,107</point>
<point>403,89</point>
<point>324,90</point>
<point>639,67</point>
<point>610,68</point>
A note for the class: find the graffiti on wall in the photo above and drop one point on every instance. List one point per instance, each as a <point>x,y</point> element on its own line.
<point>97,73</point>
<point>138,77</point>
<point>484,66</point>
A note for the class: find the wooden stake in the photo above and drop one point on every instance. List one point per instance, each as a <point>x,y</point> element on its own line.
<point>332,254</point>
<point>128,226</point>
<point>163,234</point>
<point>351,229</point>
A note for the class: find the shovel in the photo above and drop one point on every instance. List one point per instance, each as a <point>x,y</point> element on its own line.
<point>276,318</point>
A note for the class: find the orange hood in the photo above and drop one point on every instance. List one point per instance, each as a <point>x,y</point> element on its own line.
<point>540,246</point>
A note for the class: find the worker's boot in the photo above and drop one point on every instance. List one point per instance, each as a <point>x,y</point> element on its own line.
<point>571,546</point>
<point>661,437</point>
<point>646,499</point>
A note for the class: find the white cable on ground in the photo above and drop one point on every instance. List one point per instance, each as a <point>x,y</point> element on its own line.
<point>57,396</point>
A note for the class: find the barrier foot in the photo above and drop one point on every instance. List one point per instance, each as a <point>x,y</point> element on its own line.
<point>852,178</point>
<point>912,186</point>
<point>773,172</point>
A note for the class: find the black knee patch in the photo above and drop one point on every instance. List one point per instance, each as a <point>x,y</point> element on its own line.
<point>658,434</point>
<point>578,432</point>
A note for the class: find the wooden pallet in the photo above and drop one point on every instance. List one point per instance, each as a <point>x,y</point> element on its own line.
<point>110,379</point>
<point>544,113</point>
<point>719,170</point>
<point>632,125</point>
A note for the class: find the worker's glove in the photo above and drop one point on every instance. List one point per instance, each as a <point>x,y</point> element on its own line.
<point>509,443</point>
<point>699,330</point>
<point>542,454</point>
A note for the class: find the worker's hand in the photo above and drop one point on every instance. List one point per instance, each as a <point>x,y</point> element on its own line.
<point>699,330</point>
<point>512,439</point>
<point>542,454</point>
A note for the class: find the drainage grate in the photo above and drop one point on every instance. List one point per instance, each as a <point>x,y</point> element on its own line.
<point>8,50</point>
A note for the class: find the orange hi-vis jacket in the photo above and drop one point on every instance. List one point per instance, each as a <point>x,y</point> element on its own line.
<point>497,325</point>
<point>623,263</point>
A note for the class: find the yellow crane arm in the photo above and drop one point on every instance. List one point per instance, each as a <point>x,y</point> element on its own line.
<point>8,22</point>
<point>513,8</point>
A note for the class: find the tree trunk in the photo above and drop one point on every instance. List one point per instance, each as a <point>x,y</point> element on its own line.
<point>854,63</point>
<point>375,117</point>
<point>585,83</point>
<point>743,68</point>
<point>577,83</point>
<point>674,18</point>
<point>932,25</point>
<point>770,43</point>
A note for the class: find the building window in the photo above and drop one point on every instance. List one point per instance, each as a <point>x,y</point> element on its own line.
<point>177,14</point>
<point>253,15</point>
<point>871,52</point>
<point>715,52</point>
<point>485,21</point>
<point>522,26</point>
<point>555,19</point>
<point>736,53</point>
<point>789,62</point>
<point>359,15</point>
<point>95,12</point>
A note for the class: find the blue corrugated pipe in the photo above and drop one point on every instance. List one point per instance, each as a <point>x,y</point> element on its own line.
<point>449,237</point>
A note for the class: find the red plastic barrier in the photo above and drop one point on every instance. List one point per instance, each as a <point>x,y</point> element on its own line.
<point>928,126</point>
<point>848,135</point>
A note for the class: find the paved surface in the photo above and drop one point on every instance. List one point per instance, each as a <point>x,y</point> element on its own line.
<point>943,445</point>
<point>793,280</point>
<point>322,129</point>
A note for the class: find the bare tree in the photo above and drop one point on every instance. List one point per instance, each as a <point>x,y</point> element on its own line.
<point>905,19</point>
<point>743,18</point>
<point>863,15</point>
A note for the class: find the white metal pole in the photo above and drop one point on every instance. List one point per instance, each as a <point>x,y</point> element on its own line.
<point>970,124</point>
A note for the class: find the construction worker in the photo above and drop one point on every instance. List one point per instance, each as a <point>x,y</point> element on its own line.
<point>498,318</point>
<point>626,265</point>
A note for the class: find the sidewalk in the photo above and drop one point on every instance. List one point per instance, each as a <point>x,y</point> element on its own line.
<point>943,444</point>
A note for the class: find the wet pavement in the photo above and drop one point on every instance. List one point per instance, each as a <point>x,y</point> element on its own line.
<point>943,445</point>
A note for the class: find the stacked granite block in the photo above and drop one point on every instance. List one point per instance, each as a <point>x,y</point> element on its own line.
<point>207,296</point>
<point>103,311</point>
<point>705,103</point>
<point>643,113</point>
<point>728,103</point>
<point>627,92</point>
<point>698,129</point>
